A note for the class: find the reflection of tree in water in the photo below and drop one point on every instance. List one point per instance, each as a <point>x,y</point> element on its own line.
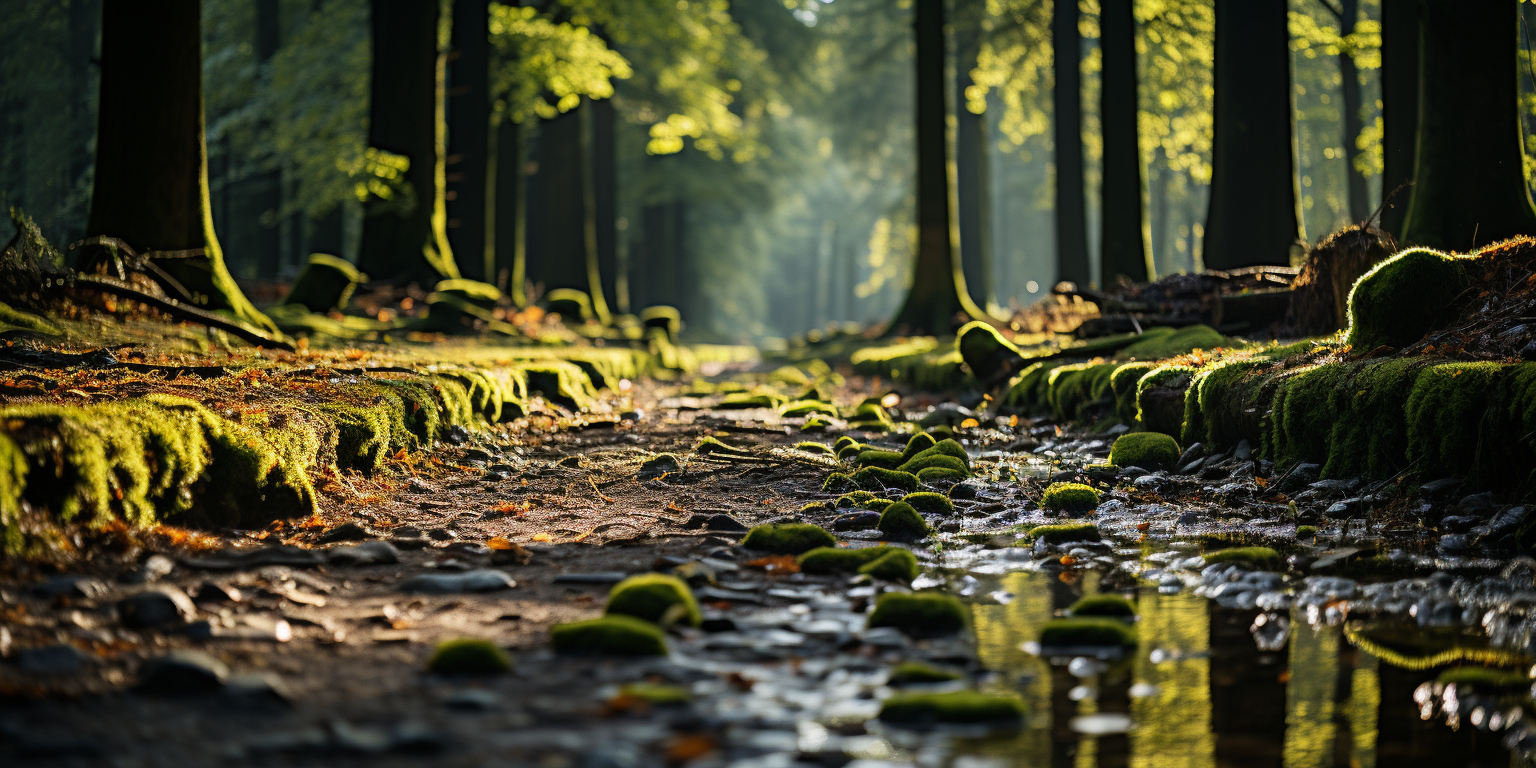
<point>1247,693</point>
<point>1064,740</point>
<point>1404,739</point>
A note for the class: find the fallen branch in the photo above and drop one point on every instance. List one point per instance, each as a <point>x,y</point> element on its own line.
<point>182,311</point>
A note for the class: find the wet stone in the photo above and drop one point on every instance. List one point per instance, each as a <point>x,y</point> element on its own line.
<point>718,521</point>
<point>856,521</point>
<point>366,553</point>
<point>183,672</point>
<point>1438,488</point>
<point>72,586</point>
<point>213,592</point>
<point>1194,451</point>
<point>1507,521</point>
<point>52,660</point>
<point>1477,504</point>
<point>1243,452</point>
<point>1454,542</point>
<point>156,608</point>
<point>344,532</point>
<point>441,534</point>
<point>451,583</point>
<point>410,542</point>
<point>1459,523</point>
<point>154,568</point>
<point>258,691</point>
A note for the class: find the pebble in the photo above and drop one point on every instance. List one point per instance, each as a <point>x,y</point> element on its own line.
<point>856,521</point>
<point>183,672</point>
<point>73,586</point>
<point>58,659</point>
<point>344,532</point>
<point>714,522</point>
<point>441,534</point>
<point>366,553</point>
<point>485,580</point>
<point>213,592</point>
<point>154,568</point>
<point>155,608</point>
<point>657,466</point>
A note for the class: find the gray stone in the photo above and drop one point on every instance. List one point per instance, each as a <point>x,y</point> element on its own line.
<point>214,592</point>
<point>156,608</point>
<point>183,672</point>
<point>1507,521</point>
<point>485,580</point>
<point>1437,488</point>
<point>1477,504</point>
<point>1243,452</point>
<point>472,700</point>
<point>154,568</point>
<point>1453,542</point>
<point>72,586</point>
<point>965,490</point>
<point>264,690</point>
<point>344,532</point>
<point>856,521</point>
<point>441,534</point>
<point>1194,451</point>
<point>366,553</point>
<point>58,659</point>
<point>664,464</point>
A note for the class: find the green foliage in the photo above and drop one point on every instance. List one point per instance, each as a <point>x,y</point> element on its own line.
<point>1395,303</point>
<point>900,521</point>
<point>952,708</point>
<point>920,613</point>
<point>1110,606</point>
<point>469,656</point>
<point>1148,450</point>
<point>788,538</point>
<point>1073,497</point>
<point>539,60</point>
<point>1090,631</point>
<point>655,597</point>
<point>930,503</point>
<point>610,635</point>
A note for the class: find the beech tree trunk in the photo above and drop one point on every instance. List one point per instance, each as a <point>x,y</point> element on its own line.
<point>974,204</point>
<point>1469,175</point>
<point>469,131</point>
<point>1400,107</point>
<point>1067,101</point>
<point>151,185</point>
<point>1253,218</point>
<point>406,117</point>
<point>506,231</point>
<point>1359,195</point>
<point>1123,249</point>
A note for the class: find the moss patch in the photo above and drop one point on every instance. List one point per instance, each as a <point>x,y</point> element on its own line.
<point>919,442</point>
<point>862,500</point>
<point>657,598</point>
<point>920,463</point>
<point>879,478</point>
<point>920,614</point>
<point>1148,450</point>
<point>1399,300</point>
<point>1110,606</point>
<point>469,656</point>
<point>929,502</point>
<point>1087,631</point>
<point>901,521</point>
<point>921,673</point>
<point>937,475</point>
<point>1180,342</point>
<point>985,351</point>
<point>1063,532</point>
<point>611,635</point>
<point>788,538</point>
<point>925,710</point>
<point>878,458</point>
<point>883,562</point>
<point>1069,497</point>
<point>1252,555</point>
<point>657,695</point>
<point>806,408</point>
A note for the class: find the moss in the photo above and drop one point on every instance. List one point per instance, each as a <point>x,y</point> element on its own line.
<point>843,442</point>
<point>815,423</point>
<point>1062,532</point>
<point>1087,631</point>
<point>325,283</point>
<point>1070,497</point>
<point>1075,389</point>
<point>788,538</point>
<point>1148,450</point>
<point>1399,300</point>
<point>870,416</point>
<point>1251,555</point>
<point>1160,396</point>
<point>883,562</point>
<point>921,673</point>
<point>1180,342</point>
<point>901,521</point>
<point>1122,385</point>
<point>945,447</point>
<point>920,613</point>
<point>657,598</point>
<point>469,656</point>
<point>985,351</point>
<point>1027,391</point>
<point>877,458</point>
<point>810,446</point>
<point>711,446</point>
<point>838,482</point>
<point>1110,606</point>
<point>570,304</point>
<point>15,319</point>
<point>930,503</point>
<point>879,478</point>
<point>924,710</point>
<point>851,451</point>
<point>896,565</point>
<point>611,635</point>
<point>657,695</point>
<point>1445,416</point>
<point>937,475</point>
<point>13,486</point>
<point>862,500</point>
<point>1486,679</point>
<point>743,400</point>
<point>1306,531</point>
<point>919,442</point>
<point>806,408</point>
<point>562,383</point>
<point>920,463</point>
<point>663,318</point>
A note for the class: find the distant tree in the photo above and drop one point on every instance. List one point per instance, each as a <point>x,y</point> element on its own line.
<point>1347,12</point>
<point>1253,216</point>
<point>1400,106</point>
<point>938,295</point>
<point>972,177</point>
<point>1123,246</point>
<point>151,182</point>
<point>1067,120</point>
<point>469,169</point>
<point>1469,170</point>
<point>407,239</point>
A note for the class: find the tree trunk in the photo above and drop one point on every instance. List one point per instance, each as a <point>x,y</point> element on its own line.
<point>254,235</point>
<point>605,198</point>
<point>971,168</point>
<point>1469,176</point>
<point>406,117</point>
<point>506,234</point>
<point>84,23</point>
<point>1400,107</point>
<point>1359,195</point>
<point>151,186</point>
<point>1252,218</point>
<point>1123,235</point>
<point>568,256</point>
<point>1067,101</point>
<point>469,131</point>
<point>938,294</point>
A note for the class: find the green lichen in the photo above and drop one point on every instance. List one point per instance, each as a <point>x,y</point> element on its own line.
<point>1264,556</point>
<point>879,478</point>
<point>1063,532</point>
<point>930,503</point>
<point>920,614</point>
<point>788,538</point>
<point>901,521</point>
<point>1148,450</point>
<point>1069,497</point>
<point>1089,631</point>
<point>657,598</point>
<point>921,673</point>
<point>1109,606</point>
<point>610,635</point>
<point>469,656</point>
<point>925,710</point>
<point>1400,299</point>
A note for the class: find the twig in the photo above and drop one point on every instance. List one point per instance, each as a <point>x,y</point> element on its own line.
<point>183,312</point>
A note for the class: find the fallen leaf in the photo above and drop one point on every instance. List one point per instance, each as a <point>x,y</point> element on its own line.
<point>776,564</point>
<point>689,747</point>
<point>542,537</point>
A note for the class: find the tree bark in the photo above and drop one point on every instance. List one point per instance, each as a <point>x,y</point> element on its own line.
<point>605,209</point>
<point>151,186</point>
<point>938,295</point>
<point>506,233</point>
<point>1123,233</point>
<point>1469,176</point>
<point>1400,107</point>
<point>1359,194</point>
<point>1067,102</point>
<point>470,200</point>
<point>406,117</point>
<point>1252,218</point>
<point>973,203</point>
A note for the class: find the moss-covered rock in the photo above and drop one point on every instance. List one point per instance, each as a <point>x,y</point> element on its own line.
<point>843,442</point>
<point>610,635</point>
<point>325,283</point>
<point>1122,386</point>
<point>870,416</point>
<point>1445,412</point>
<point>1400,299</point>
<point>838,482</point>
<point>901,521</point>
<point>920,463</point>
<point>1109,606</point>
<point>806,408</point>
<point>1148,450</point>
<point>985,351</point>
<point>810,446</point>
<point>920,614</point>
<point>925,710</point>
<point>922,673</point>
<point>1063,532</point>
<point>862,500</point>
<point>918,443</point>
<point>936,476</point>
<point>851,452</point>
<point>657,598</point>
<point>1180,342</point>
<point>895,565</point>
<point>1261,556</point>
<point>788,538</point>
<point>878,458</point>
<point>883,562</point>
<point>1069,497</point>
<point>1160,395</point>
<point>930,503</point>
<point>1088,631</point>
<point>469,656</point>
<point>745,400</point>
<point>879,478</point>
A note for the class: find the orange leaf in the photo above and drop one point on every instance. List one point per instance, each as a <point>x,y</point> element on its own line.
<point>689,747</point>
<point>970,424</point>
<point>499,542</point>
<point>542,537</point>
<point>776,564</point>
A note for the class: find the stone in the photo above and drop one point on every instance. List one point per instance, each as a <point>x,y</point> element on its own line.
<point>473,700</point>
<point>156,608</point>
<point>965,490</point>
<point>57,659</point>
<point>366,553</point>
<point>441,534</point>
<point>1507,521</point>
<point>263,690</point>
<point>1194,451</point>
<point>213,592</point>
<point>1453,542</point>
<point>344,532</point>
<point>718,521</point>
<point>1477,504</point>
<point>183,672</point>
<point>1243,452</point>
<point>72,586</point>
<point>485,580</point>
<point>601,577</point>
<point>1438,488</point>
<point>856,521</point>
<point>410,542</point>
<point>154,568</point>
<point>1459,523</point>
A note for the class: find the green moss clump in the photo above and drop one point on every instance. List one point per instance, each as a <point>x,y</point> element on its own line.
<point>806,408</point>
<point>610,635</point>
<point>1306,531</point>
<point>1180,342</point>
<point>936,475</point>
<point>325,283</point>
<point>921,673</point>
<point>1062,532</point>
<point>878,458</point>
<point>1110,606</point>
<point>788,538</point>
<point>1074,389</point>
<point>920,442</point>
<point>920,613</point>
<point>657,598</point>
<point>882,562</point>
<point>862,500</point>
<point>1160,395</point>
<point>1486,679</point>
<point>657,695</point>
<point>838,482</point>
<point>843,442</point>
<point>920,463</point>
<point>811,446</point>
<point>925,710</point>
<point>1069,497</point>
<point>880,478</point>
<point>1251,555</point>
<point>1148,450</point>
<point>946,447</point>
<point>469,656</point>
<point>1122,385</point>
<point>930,503</point>
<point>901,521</point>
<point>815,423</point>
<point>744,400</point>
<point>851,451</point>
<point>985,351</point>
<point>895,565</point>
<point>1087,631</point>
<point>1399,300</point>
<point>1445,414</point>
